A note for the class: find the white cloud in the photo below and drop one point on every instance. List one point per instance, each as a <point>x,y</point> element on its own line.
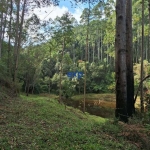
<point>45,13</point>
<point>77,14</point>
<point>52,12</point>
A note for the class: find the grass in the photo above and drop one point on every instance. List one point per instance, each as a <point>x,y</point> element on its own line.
<point>40,123</point>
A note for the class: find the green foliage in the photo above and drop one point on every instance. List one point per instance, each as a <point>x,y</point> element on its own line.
<point>69,86</point>
<point>3,69</point>
<point>146,71</point>
<point>102,79</point>
<point>7,87</point>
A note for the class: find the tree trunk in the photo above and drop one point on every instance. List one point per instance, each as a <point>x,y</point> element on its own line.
<point>107,56</point>
<point>120,63</point>
<point>129,59</point>
<point>16,40</point>
<point>19,27</point>
<point>88,52</point>
<point>148,76</point>
<point>33,86</point>
<point>4,24</point>
<point>1,31</point>
<point>61,71</point>
<point>98,46</point>
<point>142,52</point>
<point>101,47</point>
<point>93,51</point>
<point>149,33</point>
<point>9,39</point>
<point>86,56</point>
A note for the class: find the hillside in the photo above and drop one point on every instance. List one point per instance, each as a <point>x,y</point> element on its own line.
<point>40,123</point>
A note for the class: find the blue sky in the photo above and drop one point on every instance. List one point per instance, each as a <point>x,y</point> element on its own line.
<point>67,4</point>
<point>71,5</point>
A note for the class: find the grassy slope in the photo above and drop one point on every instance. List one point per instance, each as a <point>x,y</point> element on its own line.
<point>37,123</point>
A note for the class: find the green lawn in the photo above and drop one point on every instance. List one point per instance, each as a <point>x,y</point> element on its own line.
<point>40,123</point>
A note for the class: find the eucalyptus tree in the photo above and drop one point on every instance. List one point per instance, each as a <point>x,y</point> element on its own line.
<point>18,34</point>
<point>120,64</point>
<point>124,61</point>
<point>97,13</point>
<point>129,59</point>
<point>63,34</point>
<point>9,32</point>
<point>85,19</point>
<point>13,15</point>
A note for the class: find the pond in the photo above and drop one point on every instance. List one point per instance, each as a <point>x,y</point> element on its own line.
<point>101,108</point>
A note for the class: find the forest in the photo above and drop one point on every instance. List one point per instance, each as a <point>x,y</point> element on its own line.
<point>68,84</point>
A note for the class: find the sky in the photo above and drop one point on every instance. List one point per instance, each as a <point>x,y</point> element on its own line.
<point>52,12</point>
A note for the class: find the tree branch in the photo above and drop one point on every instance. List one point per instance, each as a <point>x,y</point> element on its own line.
<point>140,86</point>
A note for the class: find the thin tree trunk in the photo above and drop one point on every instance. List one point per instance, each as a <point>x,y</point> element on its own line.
<point>138,47</point>
<point>120,65</point>
<point>9,40</point>
<point>61,72</point>
<point>136,50</point>
<point>86,56</point>
<point>148,76</point>
<point>33,87</point>
<point>142,52</point>
<point>28,87</point>
<point>101,47</point>
<point>149,33</point>
<point>98,47</point>
<point>5,20</point>
<point>107,56</point>
<point>27,75</point>
<point>93,51</point>
<point>50,75</point>
<point>1,32</point>
<point>16,41</point>
<point>88,52</point>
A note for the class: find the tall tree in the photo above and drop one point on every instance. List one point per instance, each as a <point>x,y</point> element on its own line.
<point>120,63</point>
<point>9,37</point>
<point>18,35</point>
<point>63,32</point>
<point>129,59</point>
